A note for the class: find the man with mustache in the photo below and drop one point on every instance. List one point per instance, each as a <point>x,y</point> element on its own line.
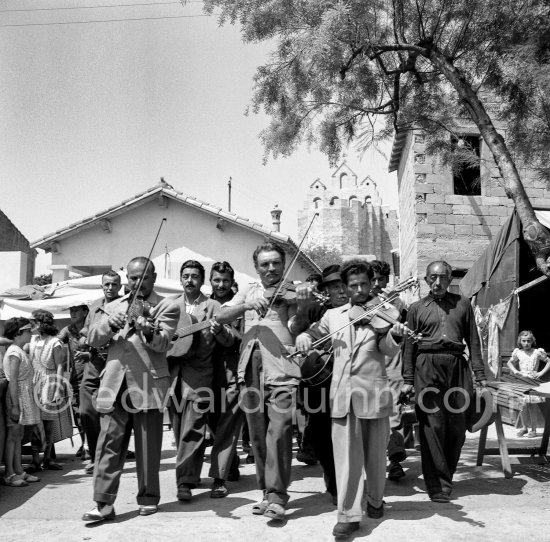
<point>191,375</point>
<point>439,371</point>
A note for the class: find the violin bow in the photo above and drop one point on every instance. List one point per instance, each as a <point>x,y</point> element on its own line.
<point>290,265</point>
<point>140,282</point>
<point>406,284</point>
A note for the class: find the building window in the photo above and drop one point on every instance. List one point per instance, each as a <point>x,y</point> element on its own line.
<point>368,200</point>
<point>466,171</point>
<point>333,200</point>
<point>352,199</point>
<point>343,180</point>
<point>317,202</point>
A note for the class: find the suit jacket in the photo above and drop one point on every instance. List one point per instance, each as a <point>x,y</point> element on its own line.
<point>359,377</point>
<point>194,370</point>
<point>131,355</point>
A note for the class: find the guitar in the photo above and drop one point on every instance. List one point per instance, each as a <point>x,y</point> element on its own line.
<point>183,337</point>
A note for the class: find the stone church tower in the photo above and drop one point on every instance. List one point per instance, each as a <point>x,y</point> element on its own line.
<point>352,217</point>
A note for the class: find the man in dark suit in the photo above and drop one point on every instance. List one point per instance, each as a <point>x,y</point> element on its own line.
<point>133,388</point>
<point>95,363</point>
<point>191,376</point>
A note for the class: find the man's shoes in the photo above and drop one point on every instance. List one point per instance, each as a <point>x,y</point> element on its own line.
<point>395,471</point>
<point>305,457</point>
<point>275,511</point>
<point>148,509</point>
<point>102,512</point>
<point>80,452</point>
<point>218,490</point>
<point>246,447</point>
<point>184,493</point>
<point>531,434</point>
<point>130,454</point>
<point>440,497</point>
<point>33,468</point>
<point>523,431</point>
<point>51,465</point>
<point>373,512</point>
<point>89,468</point>
<point>344,530</point>
<point>259,508</point>
<point>249,458</point>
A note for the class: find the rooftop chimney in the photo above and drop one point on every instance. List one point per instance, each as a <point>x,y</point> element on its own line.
<point>276,218</point>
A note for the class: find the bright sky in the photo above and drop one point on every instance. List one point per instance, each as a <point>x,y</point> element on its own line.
<point>92,114</point>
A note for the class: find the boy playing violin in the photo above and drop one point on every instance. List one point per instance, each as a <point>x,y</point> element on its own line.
<point>360,399</point>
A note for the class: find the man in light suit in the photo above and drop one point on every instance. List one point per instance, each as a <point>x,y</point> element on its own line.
<point>360,400</point>
<point>132,391</point>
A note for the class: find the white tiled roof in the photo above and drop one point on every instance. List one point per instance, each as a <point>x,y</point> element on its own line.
<point>164,189</point>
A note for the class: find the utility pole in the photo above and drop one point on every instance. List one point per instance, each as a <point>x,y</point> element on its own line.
<point>229,194</point>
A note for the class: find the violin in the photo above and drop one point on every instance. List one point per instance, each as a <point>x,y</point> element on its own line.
<point>285,291</point>
<point>380,315</point>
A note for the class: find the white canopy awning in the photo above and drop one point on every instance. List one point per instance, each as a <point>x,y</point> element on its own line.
<point>62,295</point>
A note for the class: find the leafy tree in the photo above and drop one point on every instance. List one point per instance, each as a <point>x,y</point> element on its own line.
<point>418,64</point>
<point>324,256</point>
<point>42,280</point>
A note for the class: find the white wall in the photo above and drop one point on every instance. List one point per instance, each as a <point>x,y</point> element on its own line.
<point>13,269</point>
<point>188,233</point>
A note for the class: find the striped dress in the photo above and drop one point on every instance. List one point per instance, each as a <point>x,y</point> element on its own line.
<point>30,413</point>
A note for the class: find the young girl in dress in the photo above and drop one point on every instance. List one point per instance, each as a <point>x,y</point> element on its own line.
<point>21,407</point>
<point>526,360</point>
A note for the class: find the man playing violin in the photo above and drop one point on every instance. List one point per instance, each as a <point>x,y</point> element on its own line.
<point>396,445</point>
<point>191,375</point>
<point>360,399</point>
<point>318,426</point>
<point>439,371</point>
<point>132,389</point>
<point>270,379</point>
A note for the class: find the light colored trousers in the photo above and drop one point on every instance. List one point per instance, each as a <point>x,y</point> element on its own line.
<point>359,443</point>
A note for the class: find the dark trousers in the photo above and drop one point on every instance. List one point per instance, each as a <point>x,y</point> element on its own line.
<point>269,413</point>
<point>319,430</point>
<point>442,430</point>
<point>89,416</point>
<point>112,445</point>
<point>189,420</point>
<point>226,436</point>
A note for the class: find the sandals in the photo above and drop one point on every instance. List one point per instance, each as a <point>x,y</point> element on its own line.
<point>275,511</point>
<point>260,507</point>
<point>29,477</point>
<point>15,480</point>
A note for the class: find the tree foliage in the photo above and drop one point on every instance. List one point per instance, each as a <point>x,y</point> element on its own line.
<point>42,280</point>
<point>418,64</point>
<point>324,256</point>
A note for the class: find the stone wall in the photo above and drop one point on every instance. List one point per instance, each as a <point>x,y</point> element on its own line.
<point>448,226</point>
<point>351,227</point>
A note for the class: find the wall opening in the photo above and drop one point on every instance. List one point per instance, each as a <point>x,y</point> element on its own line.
<point>466,170</point>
